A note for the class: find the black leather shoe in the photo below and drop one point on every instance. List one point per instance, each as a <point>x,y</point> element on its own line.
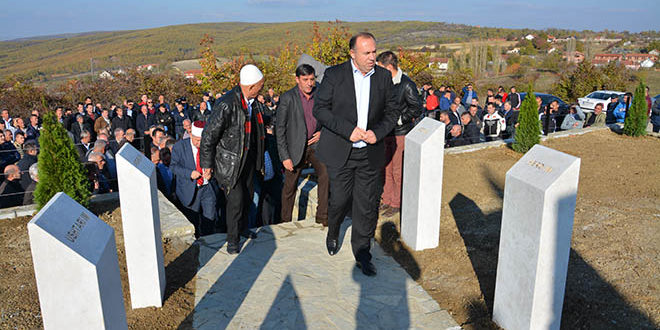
<point>332,245</point>
<point>249,234</point>
<point>233,248</point>
<point>367,268</point>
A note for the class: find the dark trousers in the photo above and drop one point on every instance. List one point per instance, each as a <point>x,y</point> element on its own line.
<point>291,185</point>
<point>269,209</point>
<point>238,201</point>
<point>202,212</point>
<point>358,185</point>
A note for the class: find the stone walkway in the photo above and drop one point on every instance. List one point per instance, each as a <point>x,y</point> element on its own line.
<point>285,279</point>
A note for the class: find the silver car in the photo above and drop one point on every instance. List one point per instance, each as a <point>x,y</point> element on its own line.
<point>588,103</point>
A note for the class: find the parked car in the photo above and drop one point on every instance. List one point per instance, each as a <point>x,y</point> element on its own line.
<point>588,103</point>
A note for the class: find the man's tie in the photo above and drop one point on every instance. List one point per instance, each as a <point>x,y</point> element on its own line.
<point>200,180</point>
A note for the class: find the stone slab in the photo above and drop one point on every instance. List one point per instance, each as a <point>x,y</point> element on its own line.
<point>141,226</point>
<point>76,269</point>
<point>422,185</point>
<point>285,279</point>
<point>172,222</point>
<point>537,222</point>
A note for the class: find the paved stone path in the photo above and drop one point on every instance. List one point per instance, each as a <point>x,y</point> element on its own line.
<point>285,279</point>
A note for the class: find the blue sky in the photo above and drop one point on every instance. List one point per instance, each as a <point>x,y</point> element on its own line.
<point>31,18</point>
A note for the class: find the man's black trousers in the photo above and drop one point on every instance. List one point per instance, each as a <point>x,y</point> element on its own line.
<point>358,185</point>
<point>239,200</point>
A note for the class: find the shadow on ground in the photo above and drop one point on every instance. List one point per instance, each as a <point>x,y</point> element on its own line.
<point>588,296</point>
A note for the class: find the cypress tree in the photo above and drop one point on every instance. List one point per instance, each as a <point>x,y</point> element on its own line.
<point>529,127</point>
<point>59,168</point>
<point>635,122</point>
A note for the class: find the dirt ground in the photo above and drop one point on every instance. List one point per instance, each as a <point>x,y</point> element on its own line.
<point>19,302</point>
<point>613,279</point>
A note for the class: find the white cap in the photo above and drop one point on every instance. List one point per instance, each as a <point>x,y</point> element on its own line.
<point>250,75</point>
<point>197,128</point>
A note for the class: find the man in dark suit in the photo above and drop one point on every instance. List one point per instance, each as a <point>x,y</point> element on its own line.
<point>192,189</point>
<point>297,135</point>
<point>357,108</point>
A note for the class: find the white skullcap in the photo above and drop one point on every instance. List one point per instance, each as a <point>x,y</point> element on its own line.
<point>250,75</point>
<point>197,128</point>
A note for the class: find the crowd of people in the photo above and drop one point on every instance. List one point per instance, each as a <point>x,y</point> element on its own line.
<point>211,157</point>
<point>468,121</point>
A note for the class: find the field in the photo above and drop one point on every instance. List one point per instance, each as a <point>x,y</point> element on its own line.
<point>612,280</point>
<point>71,54</point>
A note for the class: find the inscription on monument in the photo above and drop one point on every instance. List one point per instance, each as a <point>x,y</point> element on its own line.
<point>539,165</point>
<point>77,227</point>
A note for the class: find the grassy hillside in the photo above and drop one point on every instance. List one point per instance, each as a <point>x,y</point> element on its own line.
<point>53,56</point>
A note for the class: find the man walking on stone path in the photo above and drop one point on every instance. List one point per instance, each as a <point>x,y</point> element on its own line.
<point>193,189</point>
<point>232,149</point>
<point>411,108</point>
<point>297,136</point>
<point>357,108</point>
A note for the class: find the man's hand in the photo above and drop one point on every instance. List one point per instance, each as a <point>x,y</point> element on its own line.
<point>358,134</point>
<point>315,138</point>
<point>288,164</point>
<point>195,175</point>
<point>207,173</point>
<point>369,137</point>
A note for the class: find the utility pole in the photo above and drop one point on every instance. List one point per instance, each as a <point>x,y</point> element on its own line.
<point>91,66</point>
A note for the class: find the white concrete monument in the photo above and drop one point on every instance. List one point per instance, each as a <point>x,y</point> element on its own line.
<point>138,197</point>
<point>422,184</point>
<point>535,239</point>
<point>75,265</point>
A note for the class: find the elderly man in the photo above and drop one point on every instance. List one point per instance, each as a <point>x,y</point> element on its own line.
<point>187,128</point>
<point>191,188</point>
<point>357,107</point>
<point>11,192</point>
<point>297,136</point>
<point>232,149</point>
<point>411,107</point>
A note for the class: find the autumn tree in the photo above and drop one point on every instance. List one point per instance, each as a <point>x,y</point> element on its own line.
<point>415,65</point>
<point>331,47</point>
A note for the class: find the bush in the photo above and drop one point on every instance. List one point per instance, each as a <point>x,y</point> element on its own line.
<point>529,128</point>
<point>59,168</point>
<point>635,123</point>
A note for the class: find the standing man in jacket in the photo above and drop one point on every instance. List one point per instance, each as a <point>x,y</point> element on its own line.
<point>357,108</point>
<point>410,105</point>
<point>232,149</point>
<point>297,135</point>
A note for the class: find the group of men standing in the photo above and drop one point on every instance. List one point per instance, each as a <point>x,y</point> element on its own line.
<point>348,129</point>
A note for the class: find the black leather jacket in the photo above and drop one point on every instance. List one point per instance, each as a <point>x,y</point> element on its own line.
<point>222,146</point>
<point>410,102</point>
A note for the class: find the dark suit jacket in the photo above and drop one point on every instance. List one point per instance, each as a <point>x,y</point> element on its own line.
<point>336,110</point>
<point>291,130</point>
<point>182,165</point>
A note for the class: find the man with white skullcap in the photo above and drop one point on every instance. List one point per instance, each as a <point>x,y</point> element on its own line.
<point>192,188</point>
<point>232,149</point>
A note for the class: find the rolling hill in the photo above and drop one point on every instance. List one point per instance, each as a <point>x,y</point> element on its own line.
<point>45,58</point>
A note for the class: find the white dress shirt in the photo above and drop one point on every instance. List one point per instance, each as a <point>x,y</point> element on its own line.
<point>362,88</point>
